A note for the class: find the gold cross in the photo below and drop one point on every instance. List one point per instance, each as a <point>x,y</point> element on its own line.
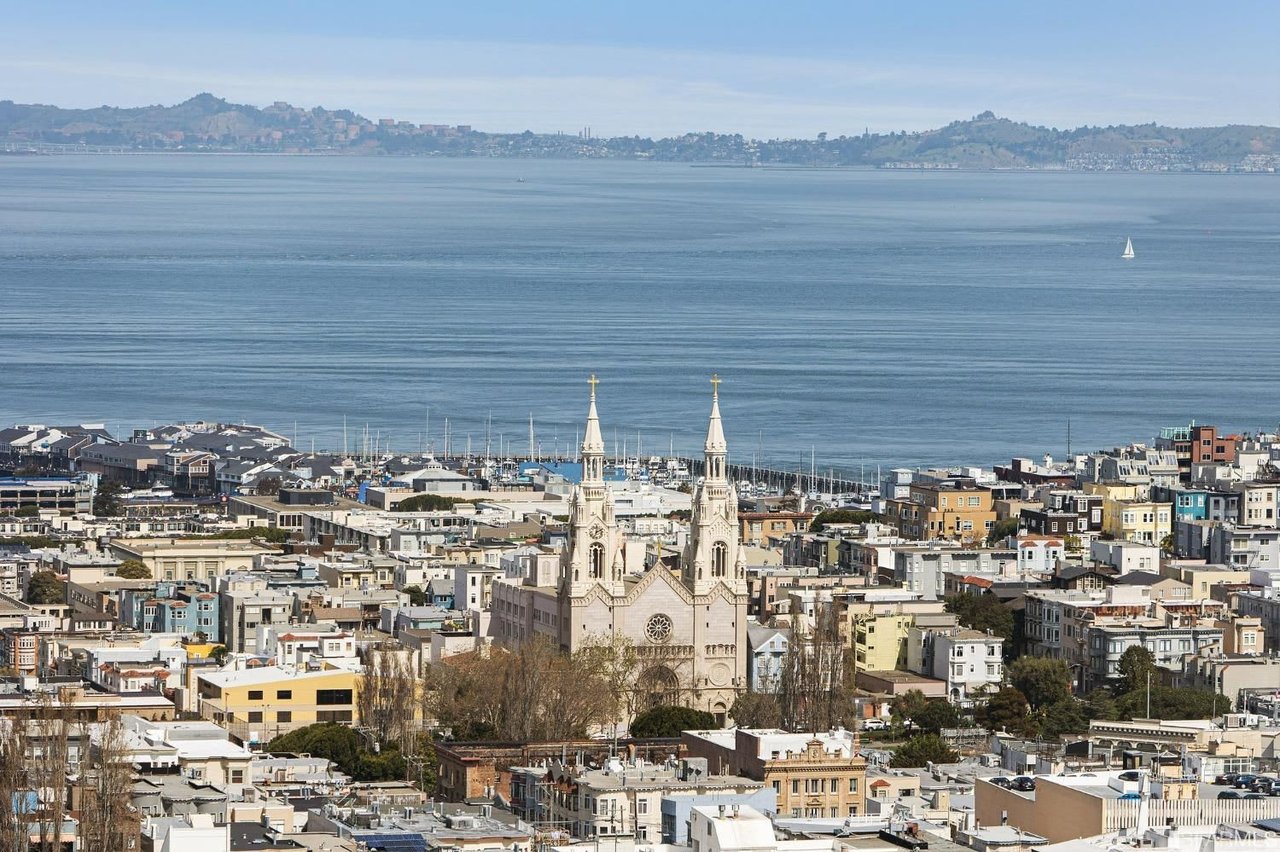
<point>715,384</point>
<point>593,381</point>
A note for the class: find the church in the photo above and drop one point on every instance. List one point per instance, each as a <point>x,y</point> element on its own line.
<point>688,625</point>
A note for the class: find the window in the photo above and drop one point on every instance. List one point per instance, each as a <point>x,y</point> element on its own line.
<point>853,785</point>
<point>255,715</point>
<point>596,560</point>
<point>255,695</point>
<point>284,694</point>
<point>642,806</point>
<point>333,715</point>
<point>795,787</point>
<point>284,715</point>
<point>333,696</point>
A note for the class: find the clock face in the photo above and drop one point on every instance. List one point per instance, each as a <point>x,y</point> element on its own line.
<point>597,532</point>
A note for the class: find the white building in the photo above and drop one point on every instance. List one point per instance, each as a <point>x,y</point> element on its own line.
<point>969,661</point>
<point>689,627</point>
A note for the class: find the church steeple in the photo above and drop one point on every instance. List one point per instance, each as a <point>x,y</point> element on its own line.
<point>592,442</point>
<point>712,555</point>
<point>593,554</point>
<point>715,448</point>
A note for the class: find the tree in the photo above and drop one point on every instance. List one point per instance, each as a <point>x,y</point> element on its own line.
<point>417,597</point>
<point>426,503</point>
<point>343,746</point>
<point>268,486</point>
<point>1136,665</point>
<point>106,500</point>
<point>922,750</point>
<point>1172,703</point>
<point>756,710</point>
<point>133,569</point>
<point>908,705</point>
<point>936,715</point>
<point>108,822</point>
<point>1042,680</point>
<point>982,612</point>
<point>1002,529</point>
<point>219,654</point>
<point>827,517</point>
<point>1007,710</point>
<point>667,721</point>
<point>1063,717</point>
<point>26,512</point>
<point>813,689</point>
<point>387,696</point>
<point>45,588</point>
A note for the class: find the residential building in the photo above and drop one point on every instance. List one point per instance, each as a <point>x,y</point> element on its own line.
<point>954,509</point>
<point>767,654</point>
<point>970,661</point>
<point>767,529</point>
<point>922,568</point>
<point>813,775</point>
<point>259,704</point>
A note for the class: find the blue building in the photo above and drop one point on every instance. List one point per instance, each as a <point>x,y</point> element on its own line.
<point>1189,504</point>
<point>677,807</point>
<point>175,609</point>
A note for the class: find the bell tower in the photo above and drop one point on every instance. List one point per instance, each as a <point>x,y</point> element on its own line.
<point>712,555</point>
<point>593,553</point>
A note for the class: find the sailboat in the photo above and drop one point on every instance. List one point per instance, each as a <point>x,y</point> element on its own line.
<point>1128,249</point>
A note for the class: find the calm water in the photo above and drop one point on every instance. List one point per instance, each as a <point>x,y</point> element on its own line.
<point>881,318</point>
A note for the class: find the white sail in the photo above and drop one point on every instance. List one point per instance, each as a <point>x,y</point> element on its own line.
<point>1128,249</point>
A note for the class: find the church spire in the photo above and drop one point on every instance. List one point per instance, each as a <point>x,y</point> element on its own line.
<point>592,441</point>
<point>715,447</point>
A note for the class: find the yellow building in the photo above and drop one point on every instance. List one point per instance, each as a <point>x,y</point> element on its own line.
<point>953,509</point>
<point>1128,515</point>
<point>877,630</point>
<point>256,705</point>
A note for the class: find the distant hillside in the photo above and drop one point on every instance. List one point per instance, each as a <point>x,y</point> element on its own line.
<point>209,123</point>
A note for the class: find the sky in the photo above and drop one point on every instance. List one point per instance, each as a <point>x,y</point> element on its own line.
<point>776,69</point>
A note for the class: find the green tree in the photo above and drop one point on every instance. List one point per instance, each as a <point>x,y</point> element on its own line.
<point>1007,710</point>
<point>756,710</point>
<point>1002,529</point>
<point>668,721</point>
<point>417,597</point>
<point>828,517</point>
<point>936,715</point>
<point>344,747</point>
<point>1172,703</point>
<point>106,501</point>
<point>133,569</point>
<point>426,503</point>
<point>26,512</point>
<point>921,750</point>
<point>45,588</point>
<point>219,654</point>
<point>1042,680</point>
<point>908,705</point>
<point>1063,717</point>
<point>1101,704</point>
<point>982,612</point>
<point>1135,666</point>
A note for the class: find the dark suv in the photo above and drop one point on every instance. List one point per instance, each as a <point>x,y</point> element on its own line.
<point>1024,784</point>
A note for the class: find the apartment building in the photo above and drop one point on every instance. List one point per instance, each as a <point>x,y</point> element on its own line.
<point>819,775</point>
<point>969,661</point>
<point>257,705</point>
<point>952,509</point>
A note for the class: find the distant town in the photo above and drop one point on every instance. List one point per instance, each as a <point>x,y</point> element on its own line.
<point>206,123</point>
<point>214,640</point>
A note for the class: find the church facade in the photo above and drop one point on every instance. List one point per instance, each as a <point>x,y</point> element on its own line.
<point>688,625</point>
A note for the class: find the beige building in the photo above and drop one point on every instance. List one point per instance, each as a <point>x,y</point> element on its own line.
<point>819,775</point>
<point>190,559</point>
<point>689,628</point>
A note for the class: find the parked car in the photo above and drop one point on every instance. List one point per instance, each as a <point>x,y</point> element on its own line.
<point>1243,780</point>
<point>1229,794</point>
<point>1131,775</point>
<point>1130,797</point>
<point>1001,781</point>
<point>874,725</point>
<point>1255,796</point>
<point>1225,778</point>
<point>1263,784</point>
<point>1024,784</point>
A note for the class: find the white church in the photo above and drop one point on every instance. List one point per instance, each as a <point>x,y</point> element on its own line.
<point>689,627</point>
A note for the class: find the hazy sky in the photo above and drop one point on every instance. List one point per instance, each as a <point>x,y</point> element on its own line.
<point>781,68</point>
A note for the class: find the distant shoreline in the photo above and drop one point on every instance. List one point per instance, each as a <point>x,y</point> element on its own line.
<point>773,167</point>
